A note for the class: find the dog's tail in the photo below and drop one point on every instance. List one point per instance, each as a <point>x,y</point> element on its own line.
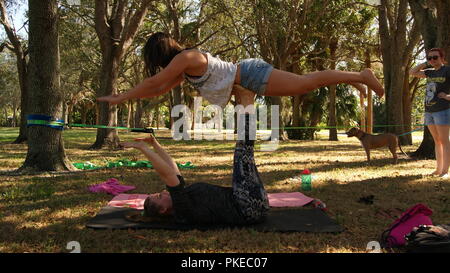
<point>398,142</point>
<point>400,147</point>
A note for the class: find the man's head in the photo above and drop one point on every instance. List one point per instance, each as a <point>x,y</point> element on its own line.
<point>436,57</point>
<point>158,204</point>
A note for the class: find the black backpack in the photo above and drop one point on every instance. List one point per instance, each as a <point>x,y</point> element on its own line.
<point>434,239</point>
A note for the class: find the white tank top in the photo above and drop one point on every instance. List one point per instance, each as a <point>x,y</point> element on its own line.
<point>217,82</point>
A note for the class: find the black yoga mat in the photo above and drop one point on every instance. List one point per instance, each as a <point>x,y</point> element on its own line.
<point>280,220</point>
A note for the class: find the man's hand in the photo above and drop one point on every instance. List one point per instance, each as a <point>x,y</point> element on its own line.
<point>443,95</point>
<point>112,99</point>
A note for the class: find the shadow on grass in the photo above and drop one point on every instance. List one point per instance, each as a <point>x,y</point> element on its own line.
<point>360,221</point>
<point>47,224</point>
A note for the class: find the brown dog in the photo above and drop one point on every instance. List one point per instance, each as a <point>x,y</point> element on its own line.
<point>376,141</point>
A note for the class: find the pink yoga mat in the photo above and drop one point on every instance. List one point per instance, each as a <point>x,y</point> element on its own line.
<point>135,201</point>
<point>284,199</point>
<point>288,199</point>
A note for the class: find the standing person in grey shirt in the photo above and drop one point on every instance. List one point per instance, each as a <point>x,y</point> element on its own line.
<point>437,105</point>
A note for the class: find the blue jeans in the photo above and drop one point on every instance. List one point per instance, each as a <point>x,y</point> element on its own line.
<point>438,118</point>
<point>255,75</point>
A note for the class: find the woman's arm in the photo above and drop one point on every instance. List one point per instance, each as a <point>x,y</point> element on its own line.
<point>157,85</point>
<point>170,85</point>
<point>417,71</point>
<point>167,173</point>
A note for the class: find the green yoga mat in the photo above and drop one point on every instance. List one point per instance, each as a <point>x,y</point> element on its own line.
<point>278,220</point>
<point>126,163</point>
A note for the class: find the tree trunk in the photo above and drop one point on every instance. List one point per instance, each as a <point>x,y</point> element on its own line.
<point>363,120</point>
<point>5,112</point>
<point>332,120</point>
<point>281,133</point>
<point>397,45</point>
<point>138,114</point>
<point>83,111</point>
<point>69,112</point>
<point>107,114</point>
<point>407,109</point>
<point>443,18</point>
<point>23,78</point>
<point>129,114</point>
<point>296,100</point>
<point>369,115</point>
<point>14,120</point>
<point>45,145</point>
<point>116,25</point>
<point>157,118</point>
<point>177,100</point>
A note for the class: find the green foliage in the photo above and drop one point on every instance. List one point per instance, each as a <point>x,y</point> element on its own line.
<point>33,192</point>
<point>9,88</point>
<point>347,106</point>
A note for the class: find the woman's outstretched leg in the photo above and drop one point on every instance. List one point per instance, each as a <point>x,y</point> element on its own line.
<point>282,83</point>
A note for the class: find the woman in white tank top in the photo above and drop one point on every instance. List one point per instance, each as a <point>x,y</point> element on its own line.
<point>168,65</point>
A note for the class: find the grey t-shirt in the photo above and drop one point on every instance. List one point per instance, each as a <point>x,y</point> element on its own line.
<point>437,81</point>
<point>203,203</point>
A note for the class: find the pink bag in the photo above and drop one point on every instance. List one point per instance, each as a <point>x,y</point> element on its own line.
<point>394,236</point>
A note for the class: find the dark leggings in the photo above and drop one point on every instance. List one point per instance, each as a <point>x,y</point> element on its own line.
<point>248,189</point>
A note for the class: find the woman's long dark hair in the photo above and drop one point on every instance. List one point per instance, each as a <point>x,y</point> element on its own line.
<point>159,50</point>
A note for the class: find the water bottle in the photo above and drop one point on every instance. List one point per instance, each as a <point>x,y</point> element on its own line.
<point>306,180</point>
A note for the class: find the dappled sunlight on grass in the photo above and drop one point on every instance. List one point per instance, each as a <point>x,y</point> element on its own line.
<point>41,213</point>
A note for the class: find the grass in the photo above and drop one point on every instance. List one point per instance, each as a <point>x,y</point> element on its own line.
<point>42,213</point>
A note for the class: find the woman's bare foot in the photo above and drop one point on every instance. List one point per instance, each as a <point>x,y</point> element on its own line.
<point>435,173</point>
<point>361,88</point>
<point>372,82</point>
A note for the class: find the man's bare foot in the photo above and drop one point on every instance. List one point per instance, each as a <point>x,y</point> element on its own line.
<point>372,82</point>
<point>243,96</point>
<point>361,88</point>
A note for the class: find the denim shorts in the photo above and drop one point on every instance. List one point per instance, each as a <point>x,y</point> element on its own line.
<point>438,118</point>
<point>255,75</point>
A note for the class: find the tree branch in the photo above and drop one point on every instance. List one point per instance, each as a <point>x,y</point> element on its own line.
<point>82,16</point>
<point>117,18</point>
<point>206,39</point>
<point>135,21</point>
<point>101,23</point>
